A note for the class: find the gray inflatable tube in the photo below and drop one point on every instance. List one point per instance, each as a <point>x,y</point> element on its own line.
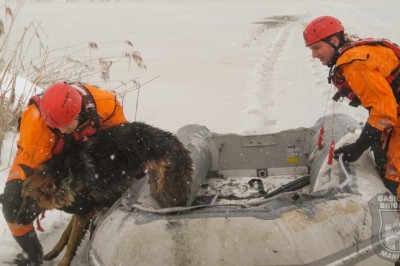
<point>232,217</point>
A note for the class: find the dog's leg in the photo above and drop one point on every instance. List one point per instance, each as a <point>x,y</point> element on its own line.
<point>79,227</point>
<point>170,179</point>
<point>155,171</point>
<point>61,243</point>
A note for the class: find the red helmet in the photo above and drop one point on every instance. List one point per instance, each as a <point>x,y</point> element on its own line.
<point>321,28</point>
<point>60,105</point>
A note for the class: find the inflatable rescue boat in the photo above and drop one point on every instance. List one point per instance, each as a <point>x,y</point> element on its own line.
<point>259,200</point>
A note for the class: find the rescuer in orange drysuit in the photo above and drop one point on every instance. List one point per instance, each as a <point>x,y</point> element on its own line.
<point>64,111</point>
<point>366,71</point>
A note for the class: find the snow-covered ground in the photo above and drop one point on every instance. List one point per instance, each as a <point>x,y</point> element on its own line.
<point>235,66</point>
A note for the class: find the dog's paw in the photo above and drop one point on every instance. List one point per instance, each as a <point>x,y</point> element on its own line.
<point>50,256</point>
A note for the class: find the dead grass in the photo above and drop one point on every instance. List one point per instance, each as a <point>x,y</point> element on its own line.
<point>27,66</point>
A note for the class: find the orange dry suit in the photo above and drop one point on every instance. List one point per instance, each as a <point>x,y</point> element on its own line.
<point>368,73</point>
<point>37,143</point>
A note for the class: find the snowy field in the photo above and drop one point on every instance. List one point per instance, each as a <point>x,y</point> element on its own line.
<point>235,66</point>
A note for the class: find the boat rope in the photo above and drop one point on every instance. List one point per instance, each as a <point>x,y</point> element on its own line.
<point>349,177</point>
<point>171,210</point>
<point>183,209</point>
<point>124,202</point>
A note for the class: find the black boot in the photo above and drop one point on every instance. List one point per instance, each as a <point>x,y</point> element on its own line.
<point>32,250</point>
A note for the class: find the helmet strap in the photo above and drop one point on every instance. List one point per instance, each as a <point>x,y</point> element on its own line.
<point>342,41</point>
<point>336,49</point>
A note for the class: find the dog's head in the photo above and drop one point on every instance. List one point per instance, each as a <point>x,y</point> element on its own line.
<point>40,186</point>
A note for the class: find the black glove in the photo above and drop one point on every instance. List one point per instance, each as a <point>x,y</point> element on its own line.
<point>351,152</point>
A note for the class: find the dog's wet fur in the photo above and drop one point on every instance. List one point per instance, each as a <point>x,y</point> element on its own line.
<point>96,173</point>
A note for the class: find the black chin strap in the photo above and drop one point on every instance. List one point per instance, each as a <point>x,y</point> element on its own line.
<point>335,56</point>
<point>331,44</point>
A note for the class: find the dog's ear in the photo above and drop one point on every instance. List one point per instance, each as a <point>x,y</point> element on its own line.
<point>27,169</point>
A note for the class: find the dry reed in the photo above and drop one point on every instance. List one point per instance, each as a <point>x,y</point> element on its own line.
<point>27,66</point>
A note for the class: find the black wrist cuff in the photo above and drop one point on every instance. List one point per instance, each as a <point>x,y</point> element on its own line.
<point>369,136</point>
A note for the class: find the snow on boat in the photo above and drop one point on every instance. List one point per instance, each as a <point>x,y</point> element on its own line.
<point>256,200</point>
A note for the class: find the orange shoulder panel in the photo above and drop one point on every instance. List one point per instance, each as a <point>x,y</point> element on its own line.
<point>107,106</point>
<point>35,142</point>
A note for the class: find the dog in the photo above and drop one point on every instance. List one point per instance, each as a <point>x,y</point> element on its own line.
<point>95,174</point>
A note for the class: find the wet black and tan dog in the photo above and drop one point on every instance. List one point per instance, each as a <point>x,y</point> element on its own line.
<point>96,173</point>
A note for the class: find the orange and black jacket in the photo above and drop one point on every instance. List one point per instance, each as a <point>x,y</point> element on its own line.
<point>37,141</point>
<point>365,69</point>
